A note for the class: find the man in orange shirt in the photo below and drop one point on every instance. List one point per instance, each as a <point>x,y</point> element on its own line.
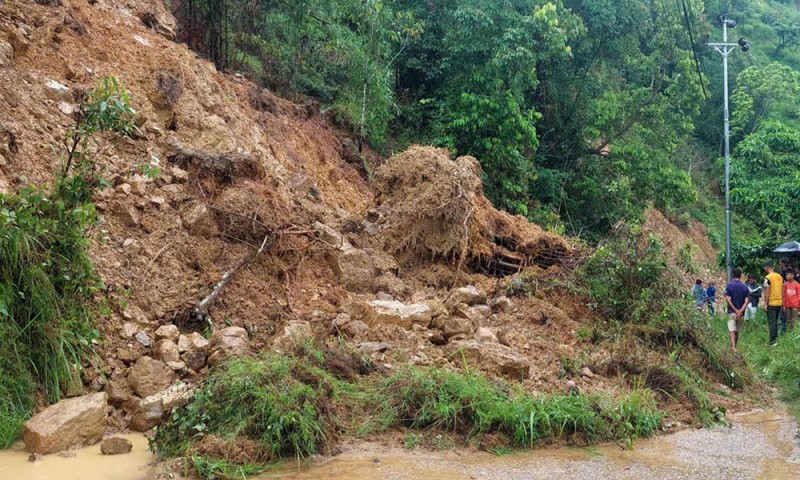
<point>773,301</point>
<point>791,299</point>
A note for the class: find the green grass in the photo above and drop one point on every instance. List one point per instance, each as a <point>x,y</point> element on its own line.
<point>16,388</point>
<point>779,365</point>
<point>296,406</point>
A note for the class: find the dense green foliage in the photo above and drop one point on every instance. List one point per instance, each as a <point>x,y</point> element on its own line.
<point>295,406</point>
<point>581,112</point>
<point>47,281</point>
<point>337,51</point>
<point>640,304</point>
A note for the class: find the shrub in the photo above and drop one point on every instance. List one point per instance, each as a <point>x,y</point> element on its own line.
<point>629,278</point>
<point>47,281</point>
<point>282,402</point>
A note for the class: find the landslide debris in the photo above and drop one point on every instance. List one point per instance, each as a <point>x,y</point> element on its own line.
<point>434,207</point>
<point>219,165</point>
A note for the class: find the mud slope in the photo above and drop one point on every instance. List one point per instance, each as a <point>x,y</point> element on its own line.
<point>240,168</point>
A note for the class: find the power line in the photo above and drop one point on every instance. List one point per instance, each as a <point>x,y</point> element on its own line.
<point>694,50</point>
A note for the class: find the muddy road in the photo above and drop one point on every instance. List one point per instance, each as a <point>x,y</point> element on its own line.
<point>758,445</point>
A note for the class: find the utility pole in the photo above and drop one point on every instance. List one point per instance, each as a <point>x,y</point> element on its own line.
<point>725,49</point>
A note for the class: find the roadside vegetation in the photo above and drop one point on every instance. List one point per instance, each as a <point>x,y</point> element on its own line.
<point>277,407</point>
<point>47,281</point>
<point>779,365</point>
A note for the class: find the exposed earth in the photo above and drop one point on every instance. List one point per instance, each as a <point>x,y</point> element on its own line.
<point>409,262</point>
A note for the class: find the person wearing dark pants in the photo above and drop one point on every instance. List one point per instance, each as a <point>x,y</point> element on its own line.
<point>773,301</point>
<point>784,268</point>
<point>773,314</point>
<point>737,296</point>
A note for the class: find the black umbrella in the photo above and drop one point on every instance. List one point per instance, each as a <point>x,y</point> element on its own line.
<point>789,247</point>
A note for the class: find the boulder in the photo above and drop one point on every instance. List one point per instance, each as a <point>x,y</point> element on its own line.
<point>57,92</point>
<point>168,332</point>
<point>453,326</point>
<point>490,357</point>
<point>118,392</point>
<point>484,311</point>
<point>115,446</point>
<point>294,333</point>
<point>227,343</point>
<point>345,325</point>
<point>193,341</point>
<point>354,269</point>
<point>194,350</point>
<point>149,376</point>
<point>469,295</point>
<point>167,351</point>
<point>473,314</point>
<point>70,423</point>
<point>128,355</point>
<point>146,417</point>
<point>152,409</point>
<point>330,236</point>
<point>143,338</point>
<point>128,330</point>
<point>392,312</point>
<point>199,221</point>
<point>486,335</point>
<point>154,15</point>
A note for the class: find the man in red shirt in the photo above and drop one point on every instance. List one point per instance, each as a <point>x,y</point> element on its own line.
<point>791,299</point>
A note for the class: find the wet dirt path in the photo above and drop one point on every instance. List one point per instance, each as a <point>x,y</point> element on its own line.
<point>758,445</point>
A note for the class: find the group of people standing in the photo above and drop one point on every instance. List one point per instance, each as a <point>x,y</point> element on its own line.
<point>780,291</point>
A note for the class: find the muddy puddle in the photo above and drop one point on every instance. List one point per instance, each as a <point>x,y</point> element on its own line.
<point>83,464</point>
<point>758,445</point>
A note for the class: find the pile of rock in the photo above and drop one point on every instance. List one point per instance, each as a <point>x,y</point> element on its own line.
<point>463,322</point>
<point>360,269</point>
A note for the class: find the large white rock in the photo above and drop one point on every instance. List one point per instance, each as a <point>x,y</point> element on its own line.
<point>397,313</point>
<point>490,357</point>
<point>58,92</point>
<point>469,295</point>
<point>70,423</point>
<point>151,410</point>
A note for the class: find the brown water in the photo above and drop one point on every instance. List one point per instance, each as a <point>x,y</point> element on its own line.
<point>83,464</point>
<point>759,445</point>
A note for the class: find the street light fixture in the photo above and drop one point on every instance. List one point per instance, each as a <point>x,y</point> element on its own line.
<point>724,49</point>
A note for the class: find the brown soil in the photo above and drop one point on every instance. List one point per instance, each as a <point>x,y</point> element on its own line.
<point>676,238</point>
<point>435,208</point>
<point>260,166</point>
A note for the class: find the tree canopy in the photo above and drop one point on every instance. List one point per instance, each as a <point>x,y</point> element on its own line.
<point>581,112</point>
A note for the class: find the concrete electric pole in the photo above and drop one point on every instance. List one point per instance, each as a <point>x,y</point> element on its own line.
<point>725,49</point>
